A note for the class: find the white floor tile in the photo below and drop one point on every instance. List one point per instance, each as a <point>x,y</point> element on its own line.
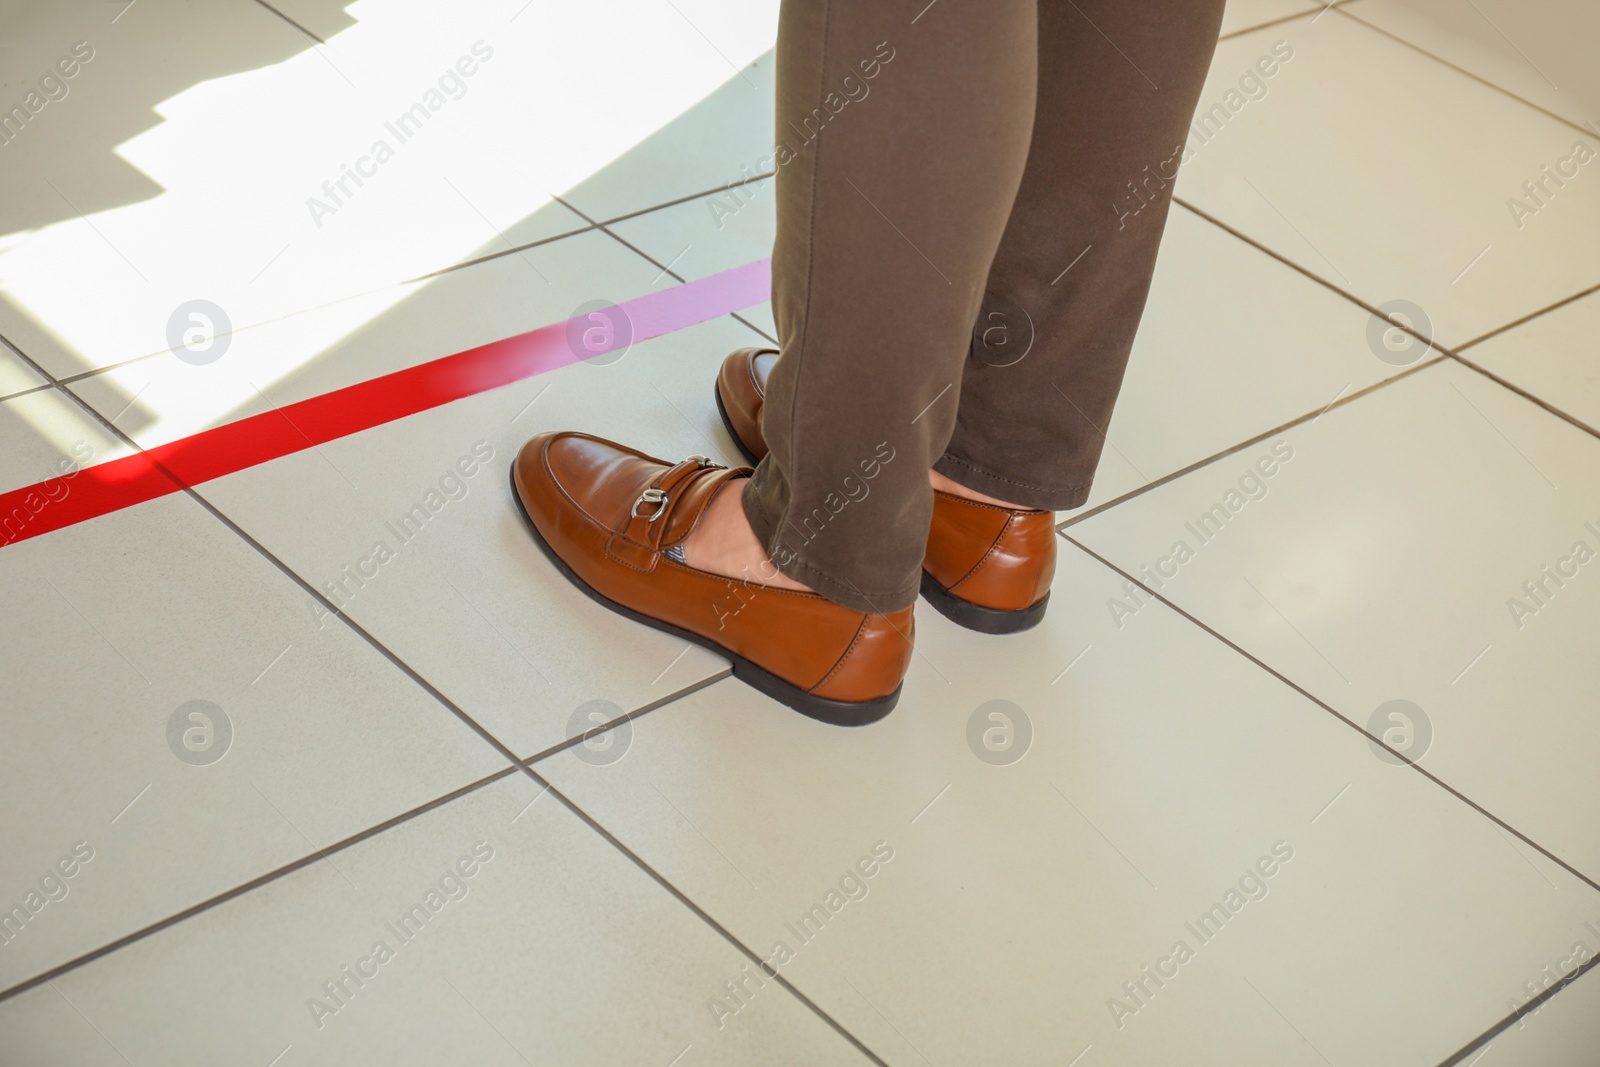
<point>710,234</point>
<point>113,627</point>
<point>188,161</point>
<point>45,435</point>
<point>1241,15</point>
<point>1552,358</point>
<point>1471,38</point>
<point>1385,558</point>
<point>15,375</point>
<point>554,949</point>
<point>1561,1032</point>
<point>1232,344</point>
<point>1382,559</point>
<point>617,107</point>
<point>1019,898</point>
<point>165,397</point>
<point>1389,174</point>
<point>727,137</point>
<point>468,600</point>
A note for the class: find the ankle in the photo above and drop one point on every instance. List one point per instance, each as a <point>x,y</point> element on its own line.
<point>723,543</point>
<point>945,485</point>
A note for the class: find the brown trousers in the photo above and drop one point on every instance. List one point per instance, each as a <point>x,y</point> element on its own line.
<point>969,200</point>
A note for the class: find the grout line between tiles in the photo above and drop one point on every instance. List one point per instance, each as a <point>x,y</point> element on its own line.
<point>741,183</point>
<point>1329,708</point>
<point>491,256</point>
<point>283,568</point>
<point>339,846</point>
<point>655,705</point>
<point>96,371</point>
<point>24,392</point>
<point>1317,9</point>
<point>1498,330</point>
<point>1519,391</point>
<point>476,261</point>
<point>477,728</point>
<point>526,764</point>
<point>1452,354</point>
<point>1524,1010</point>
<point>605,228</point>
<point>1455,352</point>
<point>1257,439</point>
<point>245,887</point>
<point>292,22</point>
<point>705,916</point>
<point>763,333</point>
<point>1527,1009</point>
<point>1463,71</point>
<point>1313,275</point>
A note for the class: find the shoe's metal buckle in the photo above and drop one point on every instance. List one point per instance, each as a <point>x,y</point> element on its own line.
<point>702,461</point>
<point>655,496</point>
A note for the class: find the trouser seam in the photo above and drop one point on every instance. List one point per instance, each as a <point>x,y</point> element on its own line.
<point>1012,481</point>
<point>811,256</point>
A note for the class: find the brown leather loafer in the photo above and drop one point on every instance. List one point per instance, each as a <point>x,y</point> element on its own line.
<point>614,521</point>
<point>987,568</point>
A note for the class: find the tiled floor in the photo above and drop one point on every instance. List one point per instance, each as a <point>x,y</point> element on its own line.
<point>233,814</point>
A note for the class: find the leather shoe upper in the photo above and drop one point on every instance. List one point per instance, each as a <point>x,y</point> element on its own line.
<point>614,516</point>
<point>998,558</point>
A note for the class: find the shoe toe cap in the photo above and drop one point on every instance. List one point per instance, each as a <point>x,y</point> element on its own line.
<point>559,471</point>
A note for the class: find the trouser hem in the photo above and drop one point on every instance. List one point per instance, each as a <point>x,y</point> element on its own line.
<point>792,564</point>
<point>966,473</point>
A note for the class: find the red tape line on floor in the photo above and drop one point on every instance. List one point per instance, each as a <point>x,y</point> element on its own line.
<point>120,483</point>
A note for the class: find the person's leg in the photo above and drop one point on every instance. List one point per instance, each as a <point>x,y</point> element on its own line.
<point>1118,83</point>
<point>902,140</point>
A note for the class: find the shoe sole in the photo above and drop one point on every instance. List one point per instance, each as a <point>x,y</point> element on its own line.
<point>976,617</point>
<point>832,712</point>
<point>961,612</point>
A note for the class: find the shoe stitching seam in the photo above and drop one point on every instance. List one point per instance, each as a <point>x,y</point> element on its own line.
<point>861,628</point>
<point>993,545</point>
<point>967,500</point>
